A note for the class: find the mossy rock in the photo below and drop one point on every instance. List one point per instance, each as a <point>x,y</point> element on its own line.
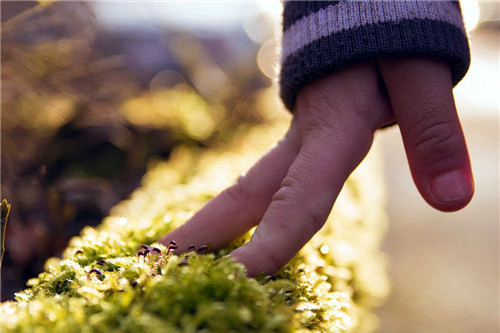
<point>102,285</point>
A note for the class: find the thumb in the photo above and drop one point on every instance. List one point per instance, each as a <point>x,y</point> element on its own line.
<point>420,91</point>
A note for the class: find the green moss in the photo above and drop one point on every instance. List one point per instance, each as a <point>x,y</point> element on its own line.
<point>101,285</point>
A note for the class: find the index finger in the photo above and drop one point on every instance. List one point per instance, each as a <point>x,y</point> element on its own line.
<point>306,196</point>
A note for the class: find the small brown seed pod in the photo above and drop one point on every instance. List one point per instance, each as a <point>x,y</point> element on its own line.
<point>96,272</point>
<point>172,247</point>
<point>202,249</point>
<point>102,262</point>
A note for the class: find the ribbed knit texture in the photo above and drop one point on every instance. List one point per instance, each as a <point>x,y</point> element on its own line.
<point>320,37</point>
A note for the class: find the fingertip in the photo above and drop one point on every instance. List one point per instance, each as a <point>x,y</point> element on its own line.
<point>256,263</point>
<point>181,241</point>
<point>451,190</point>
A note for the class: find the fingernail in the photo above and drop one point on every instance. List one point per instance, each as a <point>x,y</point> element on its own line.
<point>451,186</point>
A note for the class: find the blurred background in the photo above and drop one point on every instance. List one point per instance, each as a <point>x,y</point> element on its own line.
<point>92,92</point>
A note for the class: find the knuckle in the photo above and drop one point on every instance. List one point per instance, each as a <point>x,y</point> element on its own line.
<point>287,194</point>
<point>241,191</point>
<point>284,200</point>
<point>437,141</point>
<point>289,197</point>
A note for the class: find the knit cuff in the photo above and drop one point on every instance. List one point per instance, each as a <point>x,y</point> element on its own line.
<point>320,37</point>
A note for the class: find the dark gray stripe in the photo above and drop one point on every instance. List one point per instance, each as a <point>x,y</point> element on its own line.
<point>295,10</point>
<point>417,37</point>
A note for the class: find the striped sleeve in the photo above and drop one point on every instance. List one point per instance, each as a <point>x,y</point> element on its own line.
<point>320,37</point>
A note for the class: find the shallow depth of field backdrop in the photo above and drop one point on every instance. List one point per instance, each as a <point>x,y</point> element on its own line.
<point>74,144</point>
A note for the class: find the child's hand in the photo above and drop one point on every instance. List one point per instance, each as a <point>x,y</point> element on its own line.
<point>289,193</point>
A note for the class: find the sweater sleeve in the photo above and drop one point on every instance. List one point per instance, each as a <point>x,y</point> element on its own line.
<point>320,37</point>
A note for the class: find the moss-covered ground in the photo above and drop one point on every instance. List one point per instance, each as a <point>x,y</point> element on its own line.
<point>101,285</point>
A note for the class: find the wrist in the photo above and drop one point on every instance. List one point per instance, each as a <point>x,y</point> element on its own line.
<point>322,37</point>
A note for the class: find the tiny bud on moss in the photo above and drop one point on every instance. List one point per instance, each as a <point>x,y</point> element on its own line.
<point>5,210</point>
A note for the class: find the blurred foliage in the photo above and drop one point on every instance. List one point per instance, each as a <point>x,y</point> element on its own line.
<point>85,107</point>
<point>330,286</point>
